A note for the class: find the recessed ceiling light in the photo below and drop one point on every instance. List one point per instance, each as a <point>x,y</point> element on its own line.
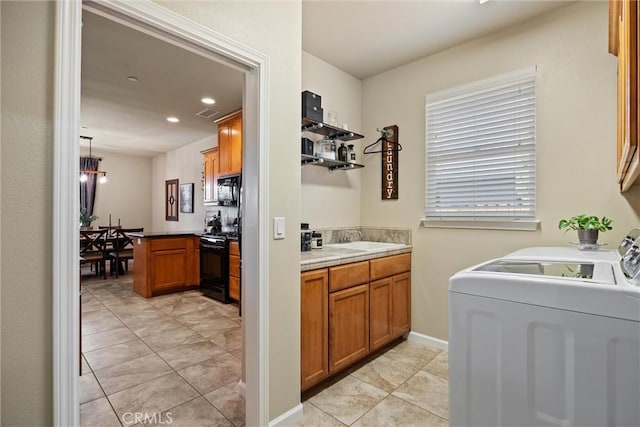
<point>208,101</point>
<point>482,1</point>
<point>132,78</point>
<point>173,119</point>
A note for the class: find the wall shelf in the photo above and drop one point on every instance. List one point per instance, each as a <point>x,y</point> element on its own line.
<point>332,165</point>
<point>330,132</point>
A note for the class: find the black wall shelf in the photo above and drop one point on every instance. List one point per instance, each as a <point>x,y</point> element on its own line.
<point>332,165</point>
<point>328,130</point>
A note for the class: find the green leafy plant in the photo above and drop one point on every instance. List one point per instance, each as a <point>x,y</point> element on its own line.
<point>585,222</point>
<point>85,218</point>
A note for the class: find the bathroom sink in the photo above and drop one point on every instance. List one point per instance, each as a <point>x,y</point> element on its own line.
<point>366,245</point>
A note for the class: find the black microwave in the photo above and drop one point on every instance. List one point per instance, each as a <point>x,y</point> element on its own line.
<point>229,190</point>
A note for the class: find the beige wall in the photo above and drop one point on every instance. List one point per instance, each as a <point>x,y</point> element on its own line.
<point>273,28</point>
<point>127,194</point>
<point>576,110</point>
<point>27,171</point>
<point>341,93</point>
<point>185,164</point>
<point>27,35</point>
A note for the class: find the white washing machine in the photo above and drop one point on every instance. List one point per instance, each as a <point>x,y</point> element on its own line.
<point>547,336</point>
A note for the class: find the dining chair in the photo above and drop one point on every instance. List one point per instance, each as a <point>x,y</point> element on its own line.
<point>93,249</point>
<point>122,250</point>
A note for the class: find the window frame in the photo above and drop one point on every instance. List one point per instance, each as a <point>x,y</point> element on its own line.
<point>524,223</point>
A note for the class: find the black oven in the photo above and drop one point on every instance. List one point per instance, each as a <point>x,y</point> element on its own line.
<point>214,268</point>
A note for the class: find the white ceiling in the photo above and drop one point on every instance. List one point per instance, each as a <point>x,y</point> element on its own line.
<point>363,38</point>
<point>123,116</point>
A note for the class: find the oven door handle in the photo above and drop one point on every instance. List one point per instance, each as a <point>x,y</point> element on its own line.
<point>202,245</point>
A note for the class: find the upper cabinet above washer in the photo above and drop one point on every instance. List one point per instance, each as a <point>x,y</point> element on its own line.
<point>624,40</point>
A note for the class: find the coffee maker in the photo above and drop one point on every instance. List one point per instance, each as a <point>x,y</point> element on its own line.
<point>305,237</point>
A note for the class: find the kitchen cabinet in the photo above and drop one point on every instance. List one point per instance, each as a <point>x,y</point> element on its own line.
<point>368,305</point>
<point>230,145</point>
<point>165,264</point>
<point>210,174</point>
<point>330,132</point>
<point>314,325</point>
<point>348,326</point>
<point>624,36</point>
<point>234,270</point>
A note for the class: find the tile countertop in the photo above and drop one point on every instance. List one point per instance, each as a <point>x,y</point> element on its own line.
<point>332,254</point>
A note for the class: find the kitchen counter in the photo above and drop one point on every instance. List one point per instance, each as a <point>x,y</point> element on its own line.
<point>167,233</point>
<point>345,253</point>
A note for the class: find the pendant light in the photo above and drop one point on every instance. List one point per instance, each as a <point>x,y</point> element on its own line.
<point>84,173</point>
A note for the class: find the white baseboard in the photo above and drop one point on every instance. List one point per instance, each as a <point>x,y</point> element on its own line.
<point>427,340</point>
<point>290,417</point>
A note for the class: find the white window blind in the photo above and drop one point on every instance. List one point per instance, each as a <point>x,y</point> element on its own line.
<point>480,151</point>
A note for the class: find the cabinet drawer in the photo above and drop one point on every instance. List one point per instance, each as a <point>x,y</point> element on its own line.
<point>168,244</point>
<point>234,288</point>
<point>234,265</point>
<point>234,248</point>
<point>345,276</point>
<point>389,266</point>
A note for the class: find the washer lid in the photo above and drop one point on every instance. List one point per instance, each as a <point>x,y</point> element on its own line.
<point>597,272</point>
<point>586,286</point>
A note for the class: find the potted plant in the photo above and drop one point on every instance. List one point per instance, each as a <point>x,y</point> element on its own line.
<point>85,218</point>
<point>588,227</point>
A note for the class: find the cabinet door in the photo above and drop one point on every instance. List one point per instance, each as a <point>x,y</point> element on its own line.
<point>314,333</point>
<point>211,172</point>
<point>348,326</point>
<point>380,305</point>
<point>224,129</point>
<point>168,269</point>
<point>235,141</point>
<point>627,135</point>
<point>401,304</point>
<point>234,288</point>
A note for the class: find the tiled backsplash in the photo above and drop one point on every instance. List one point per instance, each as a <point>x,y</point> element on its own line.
<point>372,234</point>
<point>228,213</point>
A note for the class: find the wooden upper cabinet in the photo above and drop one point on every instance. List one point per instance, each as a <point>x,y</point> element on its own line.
<point>623,28</point>
<point>211,172</point>
<point>230,144</point>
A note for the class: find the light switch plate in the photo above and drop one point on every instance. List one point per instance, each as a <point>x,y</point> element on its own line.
<point>278,227</point>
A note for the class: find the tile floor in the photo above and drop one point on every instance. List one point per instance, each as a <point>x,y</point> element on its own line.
<point>176,356</point>
<point>408,385</point>
<point>179,356</point>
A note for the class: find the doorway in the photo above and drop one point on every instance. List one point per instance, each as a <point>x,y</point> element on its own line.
<point>156,21</point>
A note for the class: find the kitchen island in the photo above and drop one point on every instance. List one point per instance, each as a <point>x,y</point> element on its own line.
<point>165,262</point>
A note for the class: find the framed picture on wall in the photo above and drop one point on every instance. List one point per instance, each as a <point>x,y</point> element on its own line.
<point>186,198</point>
<point>171,200</point>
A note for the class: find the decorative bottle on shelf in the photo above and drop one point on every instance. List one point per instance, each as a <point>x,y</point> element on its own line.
<point>342,153</point>
<point>351,154</point>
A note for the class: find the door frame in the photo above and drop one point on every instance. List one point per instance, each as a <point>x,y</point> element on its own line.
<point>162,23</point>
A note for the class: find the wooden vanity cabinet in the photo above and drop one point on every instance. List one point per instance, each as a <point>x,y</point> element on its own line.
<point>234,270</point>
<point>230,144</point>
<point>350,310</point>
<point>314,295</point>
<point>211,172</point>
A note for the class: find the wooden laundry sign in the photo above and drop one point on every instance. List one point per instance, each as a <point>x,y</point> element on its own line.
<point>390,149</point>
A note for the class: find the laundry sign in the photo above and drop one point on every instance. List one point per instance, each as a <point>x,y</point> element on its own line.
<point>390,149</point>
